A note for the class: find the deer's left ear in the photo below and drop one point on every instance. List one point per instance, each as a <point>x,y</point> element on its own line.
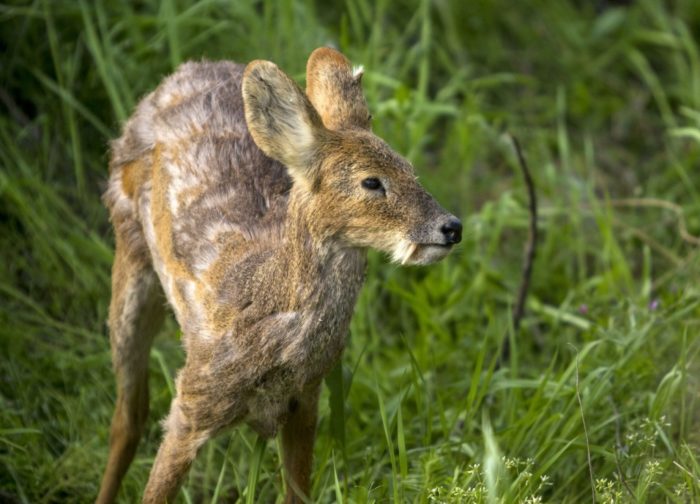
<point>281,119</point>
<point>335,90</point>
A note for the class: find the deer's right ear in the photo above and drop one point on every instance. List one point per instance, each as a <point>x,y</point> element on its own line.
<point>335,89</point>
<point>280,118</point>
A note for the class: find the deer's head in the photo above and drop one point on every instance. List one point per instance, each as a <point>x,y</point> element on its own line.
<point>355,188</point>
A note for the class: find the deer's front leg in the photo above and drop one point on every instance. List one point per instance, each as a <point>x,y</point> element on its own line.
<point>175,455</point>
<point>298,436</point>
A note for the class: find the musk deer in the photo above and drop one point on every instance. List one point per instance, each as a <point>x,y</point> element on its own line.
<point>250,204</point>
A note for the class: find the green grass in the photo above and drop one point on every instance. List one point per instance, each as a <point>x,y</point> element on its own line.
<point>606,103</point>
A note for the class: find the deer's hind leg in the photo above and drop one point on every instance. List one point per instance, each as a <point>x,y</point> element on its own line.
<point>135,315</point>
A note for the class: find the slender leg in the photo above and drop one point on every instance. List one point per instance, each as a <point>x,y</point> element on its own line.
<point>298,436</point>
<point>175,455</point>
<point>135,315</point>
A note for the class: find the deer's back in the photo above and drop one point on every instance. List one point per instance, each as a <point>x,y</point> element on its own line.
<point>190,189</point>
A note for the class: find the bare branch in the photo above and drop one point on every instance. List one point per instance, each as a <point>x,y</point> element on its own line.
<point>530,248</point>
<point>659,203</point>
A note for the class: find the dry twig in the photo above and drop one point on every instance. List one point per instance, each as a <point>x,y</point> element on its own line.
<point>659,203</point>
<point>530,249</point>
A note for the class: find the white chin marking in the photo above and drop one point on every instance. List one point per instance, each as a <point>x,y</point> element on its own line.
<point>403,252</point>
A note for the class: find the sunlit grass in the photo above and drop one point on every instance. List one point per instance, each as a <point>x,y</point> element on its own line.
<point>606,104</point>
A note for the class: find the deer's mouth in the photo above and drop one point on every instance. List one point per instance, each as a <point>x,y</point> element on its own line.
<point>411,253</point>
<point>428,253</point>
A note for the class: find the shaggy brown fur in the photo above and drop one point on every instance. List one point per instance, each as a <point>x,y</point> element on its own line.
<point>249,204</point>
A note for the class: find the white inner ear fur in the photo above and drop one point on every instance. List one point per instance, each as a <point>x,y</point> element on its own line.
<point>298,136</point>
<point>279,118</point>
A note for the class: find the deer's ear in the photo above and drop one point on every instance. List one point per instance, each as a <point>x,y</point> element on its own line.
<point>335,89</point>
<point>280,118</point>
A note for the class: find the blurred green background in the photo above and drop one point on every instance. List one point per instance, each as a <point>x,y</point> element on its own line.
<point>599,398</point>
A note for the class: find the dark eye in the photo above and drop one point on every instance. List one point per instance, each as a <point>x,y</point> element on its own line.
<point>373,184</point>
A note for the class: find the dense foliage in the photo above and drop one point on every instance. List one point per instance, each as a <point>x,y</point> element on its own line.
<point>599,397</point>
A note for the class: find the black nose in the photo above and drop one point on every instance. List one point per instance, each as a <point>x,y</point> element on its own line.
<point>452,231</point>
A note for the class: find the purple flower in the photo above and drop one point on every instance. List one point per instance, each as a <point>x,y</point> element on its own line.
<point>583,309</point>
<point>654,304</point>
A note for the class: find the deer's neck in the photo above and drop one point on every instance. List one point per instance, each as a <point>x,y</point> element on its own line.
<point>320,269</point>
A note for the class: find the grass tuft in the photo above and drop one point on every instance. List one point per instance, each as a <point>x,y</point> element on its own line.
<point>605,99</point>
